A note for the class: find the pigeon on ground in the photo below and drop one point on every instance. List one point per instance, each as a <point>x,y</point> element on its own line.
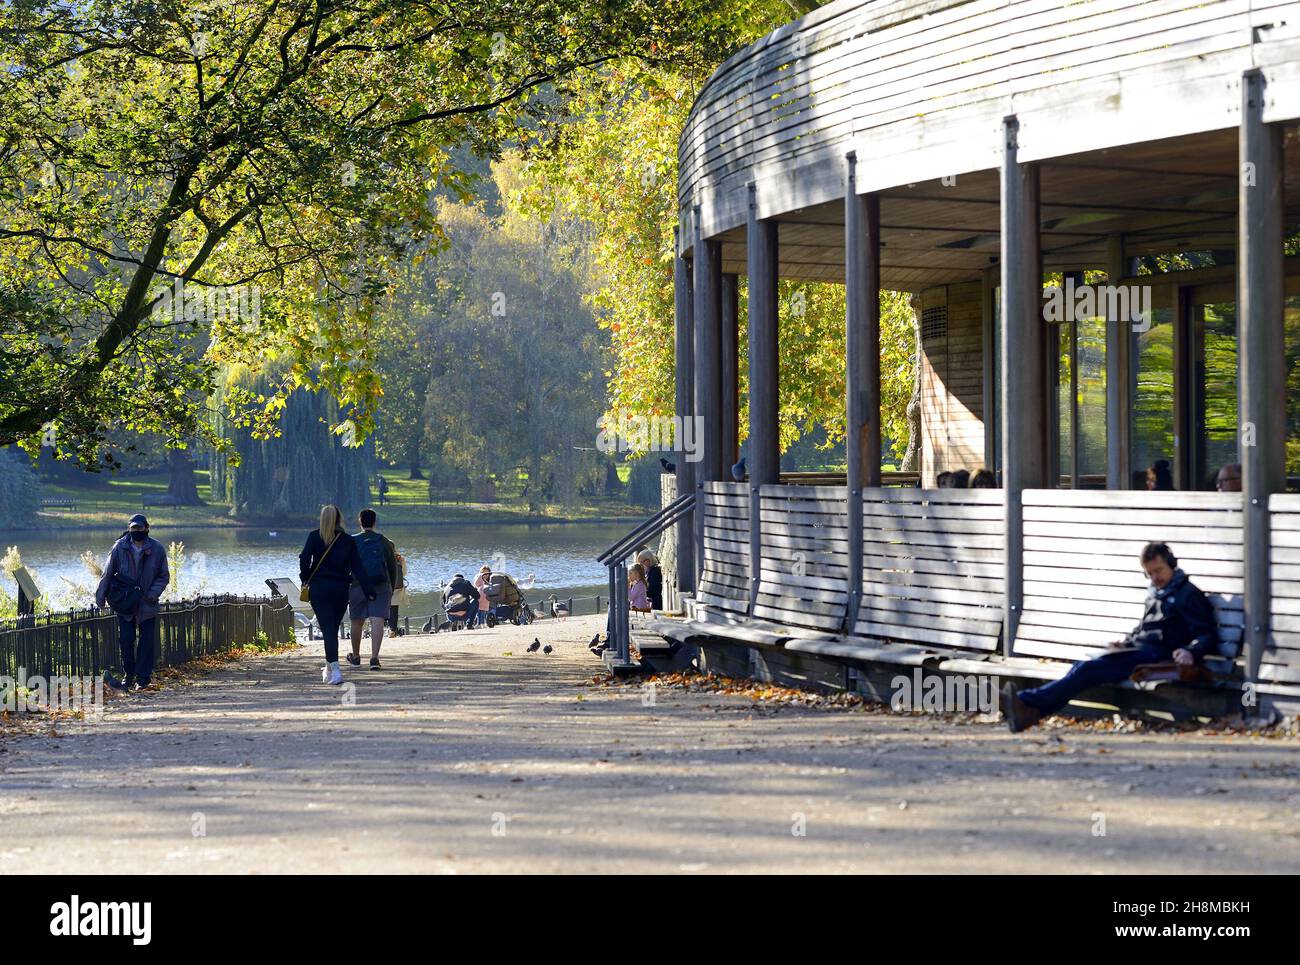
<point>547,649</point>
<point>668,467</point>
<point>428,626</point>
<point>534,646</point>
<point>594,641</point>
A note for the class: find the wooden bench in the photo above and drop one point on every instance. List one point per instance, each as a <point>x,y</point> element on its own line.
<point>724,583</point>
<point>1279,668</point>
<point>160,500</point>
<point>1084,585</point>
<point>803,583</point>
<point>932,567</point>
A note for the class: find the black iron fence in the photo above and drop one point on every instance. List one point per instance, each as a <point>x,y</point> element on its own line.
<point>83,643</point>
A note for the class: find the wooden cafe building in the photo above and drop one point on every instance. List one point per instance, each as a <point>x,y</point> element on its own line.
<point>971,152</point>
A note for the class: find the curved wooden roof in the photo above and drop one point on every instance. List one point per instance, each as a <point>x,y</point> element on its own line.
<point>1131,105</point>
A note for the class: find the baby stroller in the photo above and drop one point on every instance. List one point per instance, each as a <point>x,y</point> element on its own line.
<point>507,603</point>
<point>458,608</point>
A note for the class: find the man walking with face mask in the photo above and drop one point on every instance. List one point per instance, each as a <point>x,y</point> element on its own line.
<point>135,576</point>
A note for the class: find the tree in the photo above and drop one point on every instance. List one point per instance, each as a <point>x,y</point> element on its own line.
<point>301,467</point>
<point>274,152</point>
<point>517,387</point>
<point>615,163</point>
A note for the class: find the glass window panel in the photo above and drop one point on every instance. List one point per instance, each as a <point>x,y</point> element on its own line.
<point>1153,394</point>
<point>1217,393</point>
<point>1091,403</point>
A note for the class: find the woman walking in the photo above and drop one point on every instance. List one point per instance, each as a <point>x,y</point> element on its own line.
<point>327,565</point>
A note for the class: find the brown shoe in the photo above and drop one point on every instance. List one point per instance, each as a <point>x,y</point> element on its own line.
<point>1019,715</point>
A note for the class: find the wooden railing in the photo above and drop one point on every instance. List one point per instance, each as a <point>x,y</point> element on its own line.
<point>83,643</point>
<point>918,89</point>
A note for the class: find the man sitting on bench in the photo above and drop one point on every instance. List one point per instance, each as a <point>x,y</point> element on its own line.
<point>1177,624</point>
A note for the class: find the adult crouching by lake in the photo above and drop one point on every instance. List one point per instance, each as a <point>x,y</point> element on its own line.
<point>328,564</point>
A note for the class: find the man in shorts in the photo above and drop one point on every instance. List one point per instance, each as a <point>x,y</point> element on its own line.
<point>379,560</point>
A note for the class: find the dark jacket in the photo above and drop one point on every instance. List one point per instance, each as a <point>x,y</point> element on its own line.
<point>462,587</point>
<point>390,556</point>
<point>342,565</point>
<point>152,578</point>
<point>654,582</point>
<point>1178,616</point>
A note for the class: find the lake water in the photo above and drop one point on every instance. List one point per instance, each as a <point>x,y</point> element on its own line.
<point>560,558</point>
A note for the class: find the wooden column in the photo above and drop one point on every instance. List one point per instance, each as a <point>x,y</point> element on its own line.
<point>862,349</point>
<point>1023,353</point>
<point>1261,335</point>
<point>684,347</point>
<point>1119,398</point>
<point>730,373</point>
<point>707,276</point>
<point>764,437</point>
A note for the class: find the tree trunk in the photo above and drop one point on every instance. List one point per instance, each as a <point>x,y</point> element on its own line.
<point>912,458</point>
<point>182,487</point>
<point>417,443</point>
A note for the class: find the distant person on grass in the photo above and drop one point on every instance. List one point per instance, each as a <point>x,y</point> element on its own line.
<point>135,577</point>
<point>379,560</point>
<point>1177,624</point>
<point>327,565</point>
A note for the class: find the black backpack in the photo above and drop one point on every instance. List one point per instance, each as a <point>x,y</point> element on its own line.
<point>371,548</point>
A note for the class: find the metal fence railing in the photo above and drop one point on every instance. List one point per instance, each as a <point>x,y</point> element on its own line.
<point>82,643</point>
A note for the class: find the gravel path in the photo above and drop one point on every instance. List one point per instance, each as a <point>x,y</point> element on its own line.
<point>467,754</point>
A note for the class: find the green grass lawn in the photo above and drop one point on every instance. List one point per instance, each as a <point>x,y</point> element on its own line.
<point>407,501</point>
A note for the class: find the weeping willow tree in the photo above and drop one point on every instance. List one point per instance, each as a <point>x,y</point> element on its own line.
<point>19,491</point>
<point>302,467</point>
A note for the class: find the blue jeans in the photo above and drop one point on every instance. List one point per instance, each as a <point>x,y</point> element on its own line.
<point>137,660</point>
<point>1109,668</point>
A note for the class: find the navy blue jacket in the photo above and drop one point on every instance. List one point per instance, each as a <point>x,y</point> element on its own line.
<point>1178,616</point>
<point>342,565</point>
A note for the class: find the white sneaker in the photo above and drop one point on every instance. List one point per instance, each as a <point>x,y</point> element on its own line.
<point>336,675</point>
